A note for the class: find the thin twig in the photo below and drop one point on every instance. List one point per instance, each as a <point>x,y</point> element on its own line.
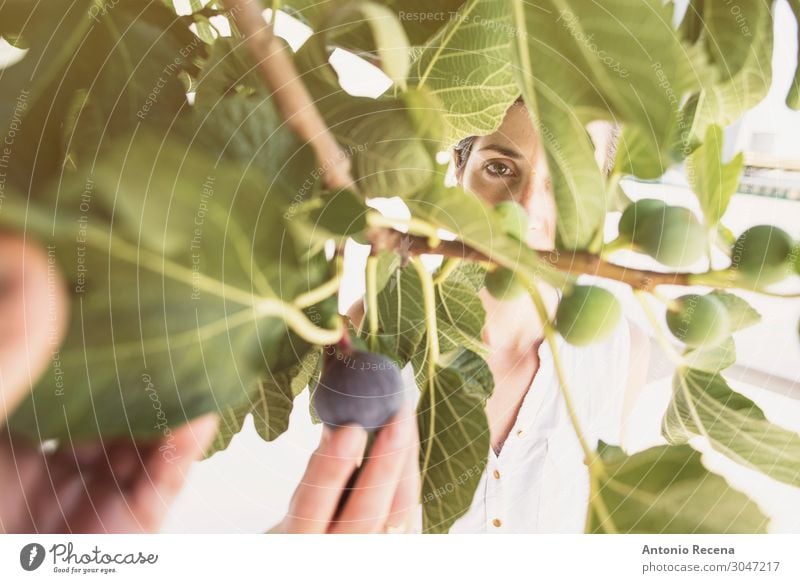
<point>290,95</point>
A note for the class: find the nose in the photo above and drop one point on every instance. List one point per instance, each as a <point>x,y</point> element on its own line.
<point>526,191</point>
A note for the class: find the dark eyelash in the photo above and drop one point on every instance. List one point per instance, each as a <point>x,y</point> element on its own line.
<point>502,175</point>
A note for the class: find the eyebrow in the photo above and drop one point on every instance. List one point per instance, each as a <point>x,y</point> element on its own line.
<point>503,150</point>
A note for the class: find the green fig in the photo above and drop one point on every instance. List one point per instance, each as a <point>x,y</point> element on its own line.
<point>672,237</point>
<point>797,259</point>
<point>762,254</point>
<point>514,218</point>
<point>636,212</point>
<point>699,320</point>
<point>504,284</point>
<point>587,314</point>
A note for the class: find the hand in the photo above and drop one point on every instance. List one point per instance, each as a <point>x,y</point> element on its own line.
<point>118,486</point>
<point>386,493</point>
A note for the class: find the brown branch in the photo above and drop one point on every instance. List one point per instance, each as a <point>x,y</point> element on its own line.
<point>383,239</point>
<point>291,97</point>
<point>583,262</point>
<point>575,262</point>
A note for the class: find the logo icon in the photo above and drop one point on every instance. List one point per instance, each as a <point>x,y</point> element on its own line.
<point>31,556</point>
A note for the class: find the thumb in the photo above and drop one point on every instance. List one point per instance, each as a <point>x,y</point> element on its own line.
<point>33,316</point>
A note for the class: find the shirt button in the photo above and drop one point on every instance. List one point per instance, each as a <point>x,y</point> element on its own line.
<point>496,522</point>
<point>519,433</point>
<point>496,475</point>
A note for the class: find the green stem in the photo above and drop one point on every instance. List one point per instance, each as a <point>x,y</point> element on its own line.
<point>318,294</point>
<point>618,244</point>
<point>549,333</point>
<point>591,459</point>
<point>448,267</point>
<point>668,349</point>
<point>298,322</point>
<point>429,302</point>
<point>415,226</point>
<point>668,302</point>
<point>372,300</point>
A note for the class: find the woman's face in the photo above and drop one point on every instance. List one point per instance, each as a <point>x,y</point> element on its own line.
<point>510,165</point>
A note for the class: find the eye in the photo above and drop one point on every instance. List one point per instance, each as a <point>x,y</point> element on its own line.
<point>498,169</point>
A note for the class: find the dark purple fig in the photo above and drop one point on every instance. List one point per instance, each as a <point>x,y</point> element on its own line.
<point>357,386</point>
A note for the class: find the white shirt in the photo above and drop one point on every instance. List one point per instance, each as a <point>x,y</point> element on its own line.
<point>538,482</point>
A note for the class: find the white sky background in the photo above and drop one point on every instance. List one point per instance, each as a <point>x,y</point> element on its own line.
<point>247,487</point>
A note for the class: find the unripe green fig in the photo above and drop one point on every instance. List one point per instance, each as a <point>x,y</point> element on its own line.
<point>587,314</point>
<point>673,236</point>
<point>357,386</point>
<point>504,284</point>
<point>635,213</point>
<point>797,258</point>
<point>514,218</point>
<point>699,320</point>
<point>761,254</point>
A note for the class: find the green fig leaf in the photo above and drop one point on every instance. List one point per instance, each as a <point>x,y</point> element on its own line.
<point>454,441</point>
<point>713,182</point>
<point>667,490</point>
<point>466,71</point>
<point>703,404</point>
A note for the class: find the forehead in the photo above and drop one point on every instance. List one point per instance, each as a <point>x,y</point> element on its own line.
<point>516,133</point>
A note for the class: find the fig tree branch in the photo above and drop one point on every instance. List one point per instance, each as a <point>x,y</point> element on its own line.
<point>291,97</point>
<point>576,262</point>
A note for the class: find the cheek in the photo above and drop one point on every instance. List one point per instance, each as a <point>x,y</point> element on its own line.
<point>489,190</point>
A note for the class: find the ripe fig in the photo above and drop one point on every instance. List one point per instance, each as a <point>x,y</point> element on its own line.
<point>699,320</point>
<point>762,254</point>
<point>636,212</point>
<point>673,236</point>
<point>357,386</point>
<point>587,314</point>
<point>514,218</point>
<point>504,284</point>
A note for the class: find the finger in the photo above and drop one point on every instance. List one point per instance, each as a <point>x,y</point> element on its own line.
<point>103,503</point>
<point>57,488</point>
<point>314,502</point>
<point>86,476</point>
<point>33,313</point>
<point>166,468</point>
<point>368,506</point>
<point>406,498</point>
<point>21,468</point>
